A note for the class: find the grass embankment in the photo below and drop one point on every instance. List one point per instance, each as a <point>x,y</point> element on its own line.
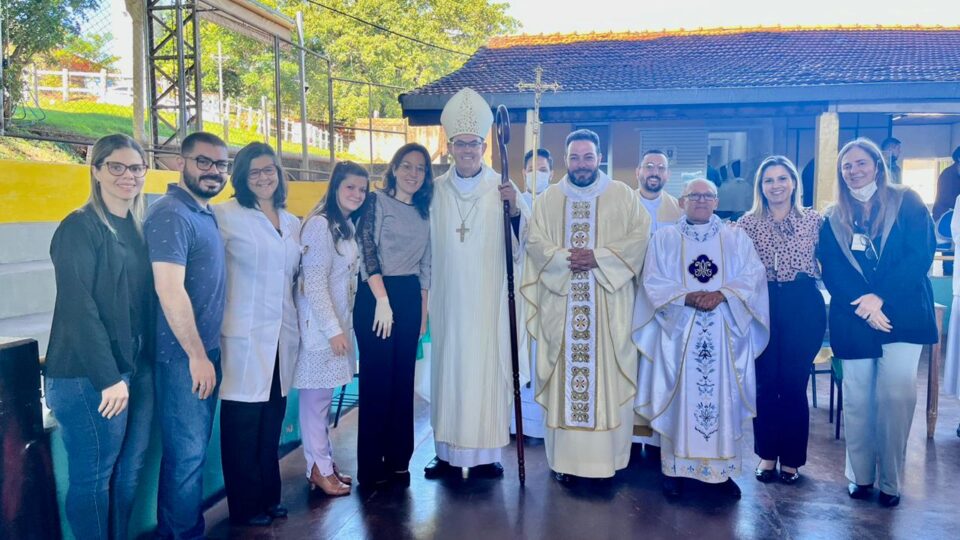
<point>28,150</point>
<point>91,120</point>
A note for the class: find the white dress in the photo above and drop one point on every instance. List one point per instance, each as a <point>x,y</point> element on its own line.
<point>324,295</point>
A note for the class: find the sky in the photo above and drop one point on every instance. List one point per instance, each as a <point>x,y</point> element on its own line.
<point>566,16</point>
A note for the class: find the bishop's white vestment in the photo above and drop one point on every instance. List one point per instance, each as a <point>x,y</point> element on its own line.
<point>586,365</point>
<point>534,424</point>
<point>696,382</point>
<point>471,374</point>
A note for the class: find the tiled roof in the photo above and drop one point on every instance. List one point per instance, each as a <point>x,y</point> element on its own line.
<point>711,58</point>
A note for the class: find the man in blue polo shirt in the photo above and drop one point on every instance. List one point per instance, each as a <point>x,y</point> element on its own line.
<point>187,256</point>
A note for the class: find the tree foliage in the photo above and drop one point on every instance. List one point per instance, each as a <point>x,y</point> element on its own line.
<point>86,52</point>
<point>357,51</point>
<point>32,27</point>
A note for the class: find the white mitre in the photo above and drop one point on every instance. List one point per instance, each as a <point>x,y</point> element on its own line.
<point>467,113</point>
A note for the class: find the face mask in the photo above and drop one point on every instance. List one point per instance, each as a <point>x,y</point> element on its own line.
<point>539,178</point>
<point>863,194</point>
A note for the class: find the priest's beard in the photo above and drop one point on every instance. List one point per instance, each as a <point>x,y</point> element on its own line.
<point>651,188</point>
<point>582,177</point>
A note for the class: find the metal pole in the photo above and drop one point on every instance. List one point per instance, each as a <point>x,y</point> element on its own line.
<point>181,75</point>
<point>370,122</point>
<point>197,83</point>
<point>304,156</point>
<point>276,95</point>
<point>3,87</point>
<point>332,133</point>
<point>137,11</point>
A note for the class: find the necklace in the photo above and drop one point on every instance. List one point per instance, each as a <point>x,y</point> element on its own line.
<point>463,230</point>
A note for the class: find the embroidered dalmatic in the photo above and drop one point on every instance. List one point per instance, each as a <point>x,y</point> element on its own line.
<point>586,365</point>
<point>696,382</point>
<point>471,375</point>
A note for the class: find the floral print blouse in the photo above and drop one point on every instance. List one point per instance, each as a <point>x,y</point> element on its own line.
<point>786,247</point>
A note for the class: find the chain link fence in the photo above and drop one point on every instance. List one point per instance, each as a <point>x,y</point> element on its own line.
<point>80,91</point>
<point>255,85</point>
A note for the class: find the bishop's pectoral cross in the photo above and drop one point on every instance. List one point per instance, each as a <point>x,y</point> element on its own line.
<point>538,87</point>
<point>463,230</point>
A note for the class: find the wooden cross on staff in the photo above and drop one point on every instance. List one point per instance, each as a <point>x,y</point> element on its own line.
<point>538,87</point>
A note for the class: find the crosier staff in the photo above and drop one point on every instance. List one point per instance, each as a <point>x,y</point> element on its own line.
<point>503,137</point>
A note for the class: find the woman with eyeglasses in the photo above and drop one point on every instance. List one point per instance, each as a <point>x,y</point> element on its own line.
<point>875,250</point>
<point>259,338</point>
<point>391,314</point>
<point>785,235</point>
<point>99,376</point>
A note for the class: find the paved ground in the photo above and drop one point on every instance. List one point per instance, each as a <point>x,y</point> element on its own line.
<point>631,505</point>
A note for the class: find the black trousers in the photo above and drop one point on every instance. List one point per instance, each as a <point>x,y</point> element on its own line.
<point>385,434</point>
<point>797,324</point>
<point>250,448</point>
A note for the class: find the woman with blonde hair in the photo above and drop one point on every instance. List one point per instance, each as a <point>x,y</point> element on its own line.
<point>876,248</point>
<point>325,292</point>
<point>99,377</point>
<point>785,235</point>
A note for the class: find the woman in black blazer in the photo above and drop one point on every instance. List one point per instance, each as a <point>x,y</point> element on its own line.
<point>875,250</point>
<point>99,380</point>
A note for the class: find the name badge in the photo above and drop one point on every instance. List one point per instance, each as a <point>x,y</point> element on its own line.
<point>859,242</point>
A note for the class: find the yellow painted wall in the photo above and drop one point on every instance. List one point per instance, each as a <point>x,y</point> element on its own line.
<point>43,192</point>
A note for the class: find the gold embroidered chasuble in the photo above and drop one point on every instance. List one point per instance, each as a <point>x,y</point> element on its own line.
<point>586,365</point>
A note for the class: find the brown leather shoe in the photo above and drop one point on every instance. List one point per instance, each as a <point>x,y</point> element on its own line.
<point>331,485</point>
<point>345,478</point>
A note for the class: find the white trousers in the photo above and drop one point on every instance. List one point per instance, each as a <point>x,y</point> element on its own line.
<point>879,398</point>
<point>314,428</point>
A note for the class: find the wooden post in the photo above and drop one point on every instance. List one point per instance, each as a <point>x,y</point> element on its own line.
<point>263,117</point>
<point>226,122</point>
<point>36,86</point>
<point>65,84</point>
<point>827,140</point>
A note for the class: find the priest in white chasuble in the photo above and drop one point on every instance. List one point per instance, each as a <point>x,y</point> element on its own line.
<point>587,240</point>
<point>700,321</point>
<point>471,374</point>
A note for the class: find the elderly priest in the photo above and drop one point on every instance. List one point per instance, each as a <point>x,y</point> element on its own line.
<point>700,321</point>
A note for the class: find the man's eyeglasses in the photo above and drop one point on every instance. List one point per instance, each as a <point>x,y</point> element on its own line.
<point>701,197</point>
<point>472,145</point>
<point>116,168</point>
<point>204,163</point>
<point>650,167</point>
<point>269,171</point>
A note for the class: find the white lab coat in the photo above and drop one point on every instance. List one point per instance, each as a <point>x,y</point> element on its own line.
<point>260,313</point>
